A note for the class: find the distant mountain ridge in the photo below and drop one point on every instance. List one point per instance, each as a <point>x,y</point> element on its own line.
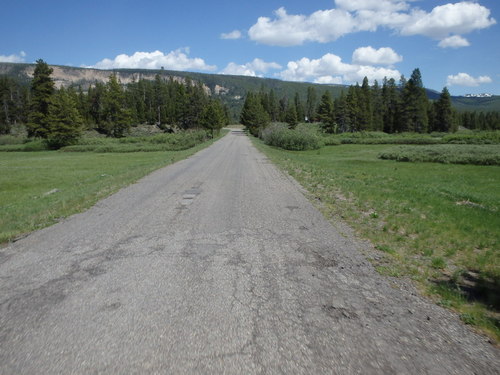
<point>231,89</point>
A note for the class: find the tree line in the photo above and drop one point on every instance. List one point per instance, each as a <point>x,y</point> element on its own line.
<point>391,108</point>
<point>60,115</point>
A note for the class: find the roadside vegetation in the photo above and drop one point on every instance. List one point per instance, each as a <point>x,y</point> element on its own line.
<point>39,189</point>
<point>434,223</point>
<point>415,177</point>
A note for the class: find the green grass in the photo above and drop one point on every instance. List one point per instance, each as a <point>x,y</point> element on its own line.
<point>149,143</point>
<point>81,179</point>
<point>449,154</point>
<point>427,219</point>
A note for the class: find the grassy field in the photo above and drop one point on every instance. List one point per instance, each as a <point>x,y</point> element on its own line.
<point>435,223</point>
<point>37,189</point>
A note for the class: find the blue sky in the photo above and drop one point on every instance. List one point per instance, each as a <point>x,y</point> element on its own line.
<point>455,44</point>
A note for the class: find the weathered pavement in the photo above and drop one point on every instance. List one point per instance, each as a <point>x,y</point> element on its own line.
<point>216,264</point>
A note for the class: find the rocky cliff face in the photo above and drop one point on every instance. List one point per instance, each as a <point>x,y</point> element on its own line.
<point>66,76</point>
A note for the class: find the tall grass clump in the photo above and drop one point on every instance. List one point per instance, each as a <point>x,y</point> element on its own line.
<point>447,154</point>
<point>159,142</point>
<point>478,138</point>
<point>301,138</point>
<point>375,138</point>
<point>11,140</point>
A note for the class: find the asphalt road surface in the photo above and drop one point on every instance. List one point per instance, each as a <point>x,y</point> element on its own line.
<point>216,265</point>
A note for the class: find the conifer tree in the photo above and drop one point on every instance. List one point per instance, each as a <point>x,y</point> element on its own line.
<point>365,106</point>
<point>443,113</point>
<point>352,109</point>
<point>64,119</point>
<point>325,113</point>
<point>117,117</point>
<point>377,108</point>
<point>291,116</point>
<point>253,115</point>
<point>415,102</point>
<point>213,116</point>
<point>390,105</point>
<point>42,90</point>
<point>311,104</point>
<point>299,108</point>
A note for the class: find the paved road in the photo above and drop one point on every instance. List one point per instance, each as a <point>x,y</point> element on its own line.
<point>216,264</point>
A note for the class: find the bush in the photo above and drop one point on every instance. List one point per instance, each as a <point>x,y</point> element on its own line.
<point>159,142</point>
<point>37,145</point>
<point>449,154</point>
<point>11,140</point>
<point>330,140</point>
<point>300,139</point>
<point>473,138</point>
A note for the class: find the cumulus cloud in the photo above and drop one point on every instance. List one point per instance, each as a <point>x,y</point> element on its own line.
<point>443,22</point>
<point>291,30</point>
<point>13,58</point>
<point>235,34</point>
<point>329,80</point>
<point>251,68</point>
<point>371,56</point>
<point>331,69</point>
<point>464,79</point>
<point>174,60</point>
<point>454,41</point>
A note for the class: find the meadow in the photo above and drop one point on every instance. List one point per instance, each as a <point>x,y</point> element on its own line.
<point>39,188</point>
<point>436,223</point>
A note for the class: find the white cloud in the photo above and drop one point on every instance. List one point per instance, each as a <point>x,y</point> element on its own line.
<point>13,58</point>
<point>235,34</point>
<point>454,41</point>
<point>174,60</point>
<point>443,20</point>
<point>329,80</point>
<point>464,79</point>
<point>291,30</point>
<point>330,69</point>
<point>251,68</point>
<point>368,15</point>
<point>371,56</point>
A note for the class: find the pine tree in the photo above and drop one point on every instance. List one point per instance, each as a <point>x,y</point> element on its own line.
<point>377,108</point>
<point>325,113</point>
<point>341,113</point>
<point>415,102</point>
<point>273,106</point>
<point>311,104</point>
<point>64,119</point>
<point>117,117</point>
<point>253,115</point>
<point>299,108</point>
<point>443,112</point>
<point>213,116</point>
<point>291,116</point>
<point>352,109</point>
<point>365,106</point>
<point>390,106</point>
<point>42,90</point>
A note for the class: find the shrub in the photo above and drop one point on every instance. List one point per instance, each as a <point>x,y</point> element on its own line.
<point>473,138</point>
<point>11,140</point>
<point>450,154</point>
<point>159,142</point>
<point>37,145</point>
<point>300,139</point>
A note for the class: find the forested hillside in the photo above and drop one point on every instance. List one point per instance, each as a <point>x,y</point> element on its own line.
<point>230,89</point>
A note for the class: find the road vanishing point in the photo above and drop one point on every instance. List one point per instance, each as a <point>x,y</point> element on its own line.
<point>217,264</point>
